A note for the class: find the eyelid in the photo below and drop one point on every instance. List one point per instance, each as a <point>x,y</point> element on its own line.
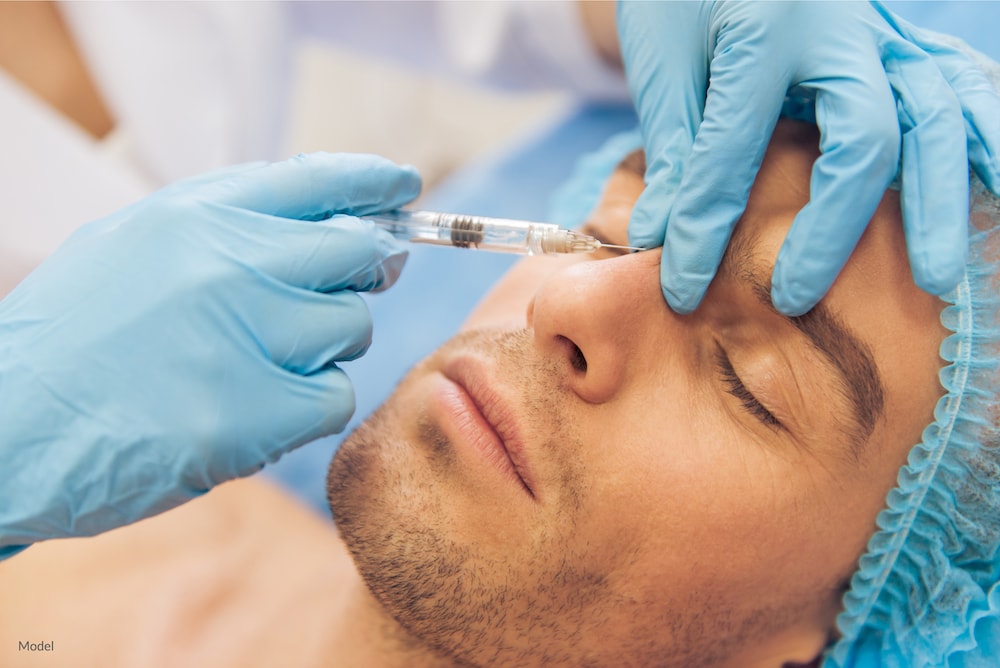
<point>739,390</point>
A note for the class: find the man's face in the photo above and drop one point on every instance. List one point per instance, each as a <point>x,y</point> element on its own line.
<point>606,482</point>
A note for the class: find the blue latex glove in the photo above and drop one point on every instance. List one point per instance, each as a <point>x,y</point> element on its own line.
<point>709,81</point>
<point>187,340</point>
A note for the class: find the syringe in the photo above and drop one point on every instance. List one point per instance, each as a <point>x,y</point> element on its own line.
<point>494,234</point>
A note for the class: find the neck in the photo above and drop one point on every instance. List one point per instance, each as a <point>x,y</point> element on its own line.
<point>366,635</point>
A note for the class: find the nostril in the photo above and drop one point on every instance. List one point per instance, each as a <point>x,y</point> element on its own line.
<point>576,358</point>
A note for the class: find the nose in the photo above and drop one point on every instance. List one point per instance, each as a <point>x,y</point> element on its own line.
<point>592,319</point>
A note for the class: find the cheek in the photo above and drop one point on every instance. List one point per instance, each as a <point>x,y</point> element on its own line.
<point>687,502</point>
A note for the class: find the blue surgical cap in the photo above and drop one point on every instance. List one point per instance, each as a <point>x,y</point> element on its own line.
<point>926,590</point>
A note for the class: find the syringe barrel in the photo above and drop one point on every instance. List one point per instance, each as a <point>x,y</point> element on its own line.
<point>495,234</point>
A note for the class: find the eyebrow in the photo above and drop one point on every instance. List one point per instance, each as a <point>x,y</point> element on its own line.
<point>828,334</point>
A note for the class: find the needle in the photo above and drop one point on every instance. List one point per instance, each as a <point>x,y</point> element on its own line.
<point>628,248</point>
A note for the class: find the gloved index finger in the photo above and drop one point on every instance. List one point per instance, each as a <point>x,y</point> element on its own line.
<point>668,85</point>
<point>741,109</point>
<point>935,185</point>
<point>318,185</point>
<point>859,153</point>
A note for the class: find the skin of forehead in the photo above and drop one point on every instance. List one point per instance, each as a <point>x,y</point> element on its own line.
<point>875,294</point>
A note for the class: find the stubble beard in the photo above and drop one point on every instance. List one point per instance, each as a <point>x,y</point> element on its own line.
<point>458,601</point>
<point>542,606</point>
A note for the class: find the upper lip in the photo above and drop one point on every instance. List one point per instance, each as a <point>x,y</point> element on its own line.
<point>474,378</point>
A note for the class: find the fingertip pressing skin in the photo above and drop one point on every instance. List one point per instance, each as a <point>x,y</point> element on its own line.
<point>938,272</point>
<point>682,301</point>
<point>935,184</point>
<point>816,248</point>
<point>937,238</point>
<point>809,261</point>
<point>647,228</point>
<point>792,297</point>
<point>648,222</point>
<point>856,164</point>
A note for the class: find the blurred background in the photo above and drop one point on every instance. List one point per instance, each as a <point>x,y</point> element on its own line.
<point>398,101</point>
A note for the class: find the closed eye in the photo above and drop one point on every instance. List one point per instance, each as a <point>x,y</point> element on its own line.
<point>736,388</point>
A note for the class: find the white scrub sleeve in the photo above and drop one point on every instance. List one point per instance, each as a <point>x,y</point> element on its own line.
<point>192,85</point>
<point>511,45</point>
<point>198,85</point>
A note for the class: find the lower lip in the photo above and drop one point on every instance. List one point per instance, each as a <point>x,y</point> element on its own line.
<point>461,419</point>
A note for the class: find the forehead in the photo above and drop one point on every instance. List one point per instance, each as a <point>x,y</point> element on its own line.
<point>874,295</point>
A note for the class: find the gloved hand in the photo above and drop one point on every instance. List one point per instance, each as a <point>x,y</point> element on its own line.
<point>709,81</point>
<point>187,340</point>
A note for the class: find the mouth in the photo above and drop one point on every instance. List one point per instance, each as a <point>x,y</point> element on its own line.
<point>502,444</point>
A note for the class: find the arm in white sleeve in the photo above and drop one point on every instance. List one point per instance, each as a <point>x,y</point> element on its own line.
<point>510,45</point>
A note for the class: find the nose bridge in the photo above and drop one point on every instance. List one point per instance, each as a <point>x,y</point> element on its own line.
<point>593,317</point>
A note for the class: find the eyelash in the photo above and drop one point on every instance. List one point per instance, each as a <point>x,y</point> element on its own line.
<point>736,388</point>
